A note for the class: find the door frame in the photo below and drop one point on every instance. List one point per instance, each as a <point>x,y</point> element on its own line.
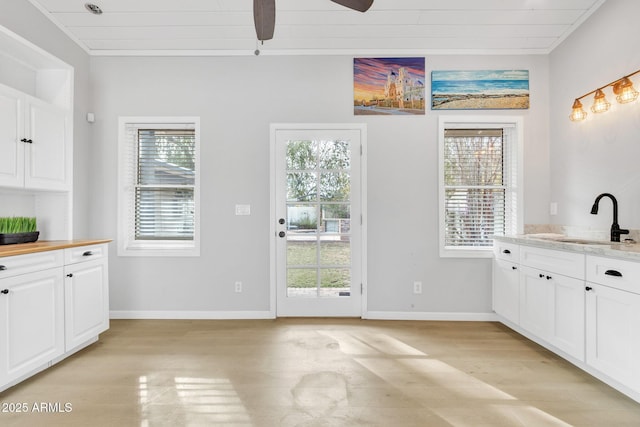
<point>274,128</point>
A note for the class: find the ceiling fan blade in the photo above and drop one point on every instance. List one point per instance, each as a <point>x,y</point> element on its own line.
<point>359,5</point>
<point>264,18</point>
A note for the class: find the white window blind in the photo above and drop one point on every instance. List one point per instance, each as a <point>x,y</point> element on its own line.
<point>158,187</point>
<point>479,179</point>
<point>165,181</point>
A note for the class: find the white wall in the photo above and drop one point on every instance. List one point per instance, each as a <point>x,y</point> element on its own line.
<point>24,19</point>
<point>601,154</point>
<point>237,98</point>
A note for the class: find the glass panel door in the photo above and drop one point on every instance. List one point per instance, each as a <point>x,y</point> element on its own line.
<point>317,197</point>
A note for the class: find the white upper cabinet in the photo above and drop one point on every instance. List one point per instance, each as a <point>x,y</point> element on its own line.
<point>11,129</point>
<point>47,158</point>
<point>36,137</point>
<point>35,117</point>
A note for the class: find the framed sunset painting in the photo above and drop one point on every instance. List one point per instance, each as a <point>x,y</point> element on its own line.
<point>388,86</point>
<point>480,90</point>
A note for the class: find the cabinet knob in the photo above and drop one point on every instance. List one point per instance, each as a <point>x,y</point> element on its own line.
<point>26,141</point>
<point>588,288</point>
<point>4,291</point>
<point>541,275</point>
<point>513,267</point>
<point>282,234</point>
<point>70,275</point>
<point>549,277</point>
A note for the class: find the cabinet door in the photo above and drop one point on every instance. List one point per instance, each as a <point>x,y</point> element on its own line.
<point>11,132</point>
<point>535,302</point>
<point>506,293</point>
<point>86,301</point>
<point>47,159</point>
<point>568,324</point>
<point>31,331</point>
<point>613,334</point>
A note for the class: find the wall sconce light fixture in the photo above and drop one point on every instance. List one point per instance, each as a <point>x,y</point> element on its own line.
<point>622,88</point>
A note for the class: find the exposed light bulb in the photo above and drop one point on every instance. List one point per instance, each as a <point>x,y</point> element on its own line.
<point>625,91</point>
<point>600,103</point>
<point>578,114</point>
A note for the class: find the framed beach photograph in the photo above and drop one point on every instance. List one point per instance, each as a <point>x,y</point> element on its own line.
<point>480,90</point>
<point>388,86</point>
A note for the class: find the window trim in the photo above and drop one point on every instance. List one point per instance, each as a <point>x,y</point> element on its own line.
<point>126,221</point>
<point>516,152</point>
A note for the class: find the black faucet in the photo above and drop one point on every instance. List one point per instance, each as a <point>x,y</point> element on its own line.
<point>616,231</point>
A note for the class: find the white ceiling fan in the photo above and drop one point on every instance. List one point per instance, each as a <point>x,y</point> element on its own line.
<point>264,14</point>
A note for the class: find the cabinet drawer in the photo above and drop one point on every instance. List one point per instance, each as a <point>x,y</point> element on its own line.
<point>21,264</point>
<point>506,251</point>
<point>84,253</point>
<point>566,263</point>
<point>616,273</point>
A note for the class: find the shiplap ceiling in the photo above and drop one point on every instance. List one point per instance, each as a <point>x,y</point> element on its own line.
<point>225,27</point>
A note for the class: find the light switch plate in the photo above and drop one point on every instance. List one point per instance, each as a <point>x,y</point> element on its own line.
<point>243,209</point>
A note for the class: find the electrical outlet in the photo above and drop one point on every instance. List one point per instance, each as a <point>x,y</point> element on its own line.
<point>238,287</point>
<point>417,287</point>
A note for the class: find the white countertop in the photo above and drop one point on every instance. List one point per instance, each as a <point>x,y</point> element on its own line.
<point>630,251</point>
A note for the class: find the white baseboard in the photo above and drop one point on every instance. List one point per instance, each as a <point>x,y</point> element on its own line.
<point>248,315</point>
<point>191,315</point>
<point>406,315</point>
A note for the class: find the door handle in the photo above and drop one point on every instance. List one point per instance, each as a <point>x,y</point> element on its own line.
<point>281,221</point>
<point>282,234</point>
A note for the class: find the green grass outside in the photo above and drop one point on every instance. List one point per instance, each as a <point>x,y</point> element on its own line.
<point>331,253</point>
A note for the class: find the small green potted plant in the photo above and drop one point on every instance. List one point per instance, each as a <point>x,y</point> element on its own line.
<point>18,229</point>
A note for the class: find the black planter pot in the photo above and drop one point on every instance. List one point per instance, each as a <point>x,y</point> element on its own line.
<point>13,238</point>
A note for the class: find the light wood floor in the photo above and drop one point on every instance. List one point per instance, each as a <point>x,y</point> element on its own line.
<point>317,372</point>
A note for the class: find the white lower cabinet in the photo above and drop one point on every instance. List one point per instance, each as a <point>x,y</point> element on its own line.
<point>552,308</point>
<point>52,303</point>
<point>567,316</point>
<point>86,295</point>
<point>32,322</point>
<point>584,307</point>
<point>535,304</point>
<point>552,298</point>
<point>506,290</point>
<point>613,319</point>
<point>613,334</point>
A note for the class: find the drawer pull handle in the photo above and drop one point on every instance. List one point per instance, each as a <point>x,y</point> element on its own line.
<point>87,253</point>
<point>4,291</point>
<point>506,251</point>
<point>613,273</point>
<point>3,267</point>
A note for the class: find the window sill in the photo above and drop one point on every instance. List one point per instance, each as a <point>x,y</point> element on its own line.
<point>159,249</point>
<point>466,253</point>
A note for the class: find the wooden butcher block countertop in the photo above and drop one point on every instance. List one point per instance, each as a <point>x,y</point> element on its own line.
<point>46,245</point>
